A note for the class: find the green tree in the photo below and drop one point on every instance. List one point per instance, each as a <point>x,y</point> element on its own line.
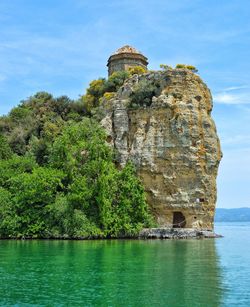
<point>95,186</point>
<point>32,195</point>
<point>5,150</point>
<point>14,166</point>
<point>80,143</point>
<point>70,221</point>
<point>93,94</point>
<point>124,210</point>
<point>9,221</point>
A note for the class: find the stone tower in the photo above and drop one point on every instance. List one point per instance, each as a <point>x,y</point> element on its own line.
<point>124,58</point>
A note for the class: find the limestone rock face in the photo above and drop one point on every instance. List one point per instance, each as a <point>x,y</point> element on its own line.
<point>162,122</point>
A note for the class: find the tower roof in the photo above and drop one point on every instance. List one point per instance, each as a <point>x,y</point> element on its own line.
<point>127,49</point>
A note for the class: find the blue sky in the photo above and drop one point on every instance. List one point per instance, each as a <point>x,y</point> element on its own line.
<point>59,46</point>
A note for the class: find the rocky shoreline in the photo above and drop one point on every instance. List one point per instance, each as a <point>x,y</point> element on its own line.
<point>145,234</point>
<point>177,233</point>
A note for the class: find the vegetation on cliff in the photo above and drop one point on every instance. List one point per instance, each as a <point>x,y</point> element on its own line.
<point>58,177</point>
<point>106,88</point>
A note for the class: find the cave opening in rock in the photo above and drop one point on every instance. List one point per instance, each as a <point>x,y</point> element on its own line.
<point>179,220</point>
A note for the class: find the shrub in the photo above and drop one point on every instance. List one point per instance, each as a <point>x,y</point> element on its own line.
<point>165,67</point>
<point>16,165</point>
<point>68,222</point>
<point>192,68</point>
<point>89,102</point>
<point>143,94</point>
<point>5,150</point>
<point>130,210</point>
<point>109,95</point>
<point>8,220</point>
<point>32,194</point>
<point>98,88</point>
<point>79,143</point>
<point>115,81</point>
<point>180,66</point>
<point>136,70</point>
<point>37,188</point>
<point>189,67</point>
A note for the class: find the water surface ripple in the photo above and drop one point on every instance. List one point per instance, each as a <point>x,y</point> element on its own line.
<point>128,272</point>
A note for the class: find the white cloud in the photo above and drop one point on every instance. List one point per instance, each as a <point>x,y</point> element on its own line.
<point>226,98</point>
<point>235,88</point>
<point>233,95</point>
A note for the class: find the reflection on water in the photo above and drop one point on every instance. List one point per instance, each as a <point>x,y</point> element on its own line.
<point>234,253</point>
<point>110,273</point>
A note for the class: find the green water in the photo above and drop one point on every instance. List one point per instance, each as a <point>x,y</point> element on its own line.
<point>123,273</point>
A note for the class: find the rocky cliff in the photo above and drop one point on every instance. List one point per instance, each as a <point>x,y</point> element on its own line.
<point>162,122</point>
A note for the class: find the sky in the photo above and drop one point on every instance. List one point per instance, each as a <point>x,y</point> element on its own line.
<point>59,46</point>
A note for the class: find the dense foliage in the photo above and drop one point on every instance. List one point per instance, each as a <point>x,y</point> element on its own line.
<point>102,88</point>
<point>34,124</point>
<point>5,150</point>
<point>144,91</point>
<point>58,177</point>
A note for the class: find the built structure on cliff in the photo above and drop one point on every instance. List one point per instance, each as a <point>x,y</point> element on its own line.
<point>124,58</point>
<point>162,121</point>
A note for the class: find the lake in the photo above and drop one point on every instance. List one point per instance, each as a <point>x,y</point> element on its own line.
<point>208,272</point>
